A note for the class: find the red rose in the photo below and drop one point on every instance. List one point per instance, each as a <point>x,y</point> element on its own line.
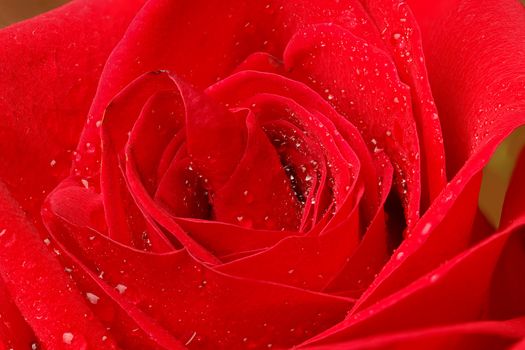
<point>260,174</point>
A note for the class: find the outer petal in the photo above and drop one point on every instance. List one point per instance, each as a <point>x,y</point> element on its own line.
<point>475,59</point>
<point>465,74</point>
<point>428,301</point>
<point>50,67</point>
<point>14,331</point>
<point>488,335</point>
<point>191,301</point>
<point>50,303</point>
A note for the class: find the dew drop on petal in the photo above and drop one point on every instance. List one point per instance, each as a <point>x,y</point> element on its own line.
<point>190,339</point>
<point>67,337</point>
<point>121,288</point>
<point>90,147</point>
<point>426,228</point>
<point>93,299</point>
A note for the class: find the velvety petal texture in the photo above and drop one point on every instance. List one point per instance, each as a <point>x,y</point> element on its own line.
<point>260,174</point>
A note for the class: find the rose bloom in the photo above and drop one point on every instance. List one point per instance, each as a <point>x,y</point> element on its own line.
<point>260,174</point>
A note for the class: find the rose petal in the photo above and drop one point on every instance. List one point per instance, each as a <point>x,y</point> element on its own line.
<point>361,83</point>
<point>239,89</point>
<point>400,33</point>
<point>422,303</point>
<point>129,326</point>
<point>14,331</point>
<point>308,262</point>
<point>474,335</point>
<point>121,183</point>
<point>50,67</point>
<point>29,270</point>
<point>371,254</point>
<point>476,74</point>
<point>195,297</point>
<point>470,135</point>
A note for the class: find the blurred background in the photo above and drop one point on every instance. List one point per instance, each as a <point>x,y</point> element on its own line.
<point>496,174</point>
<point>16,10</point>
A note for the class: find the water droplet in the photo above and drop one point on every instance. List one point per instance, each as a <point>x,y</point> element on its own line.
<point>2,232</point>
<point>85,183</point>
<point>52,163</point>
<point>67,337</point>
<point>78,156</point>
<point>121,288</point>
<point>396,36</point>
<point>47,241</point>
<point>400,255</point>
<point>93,299</point>
<point>426,228</point>
<point>90,147</point>
<point>434,278</point>
<point>191,339</point>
